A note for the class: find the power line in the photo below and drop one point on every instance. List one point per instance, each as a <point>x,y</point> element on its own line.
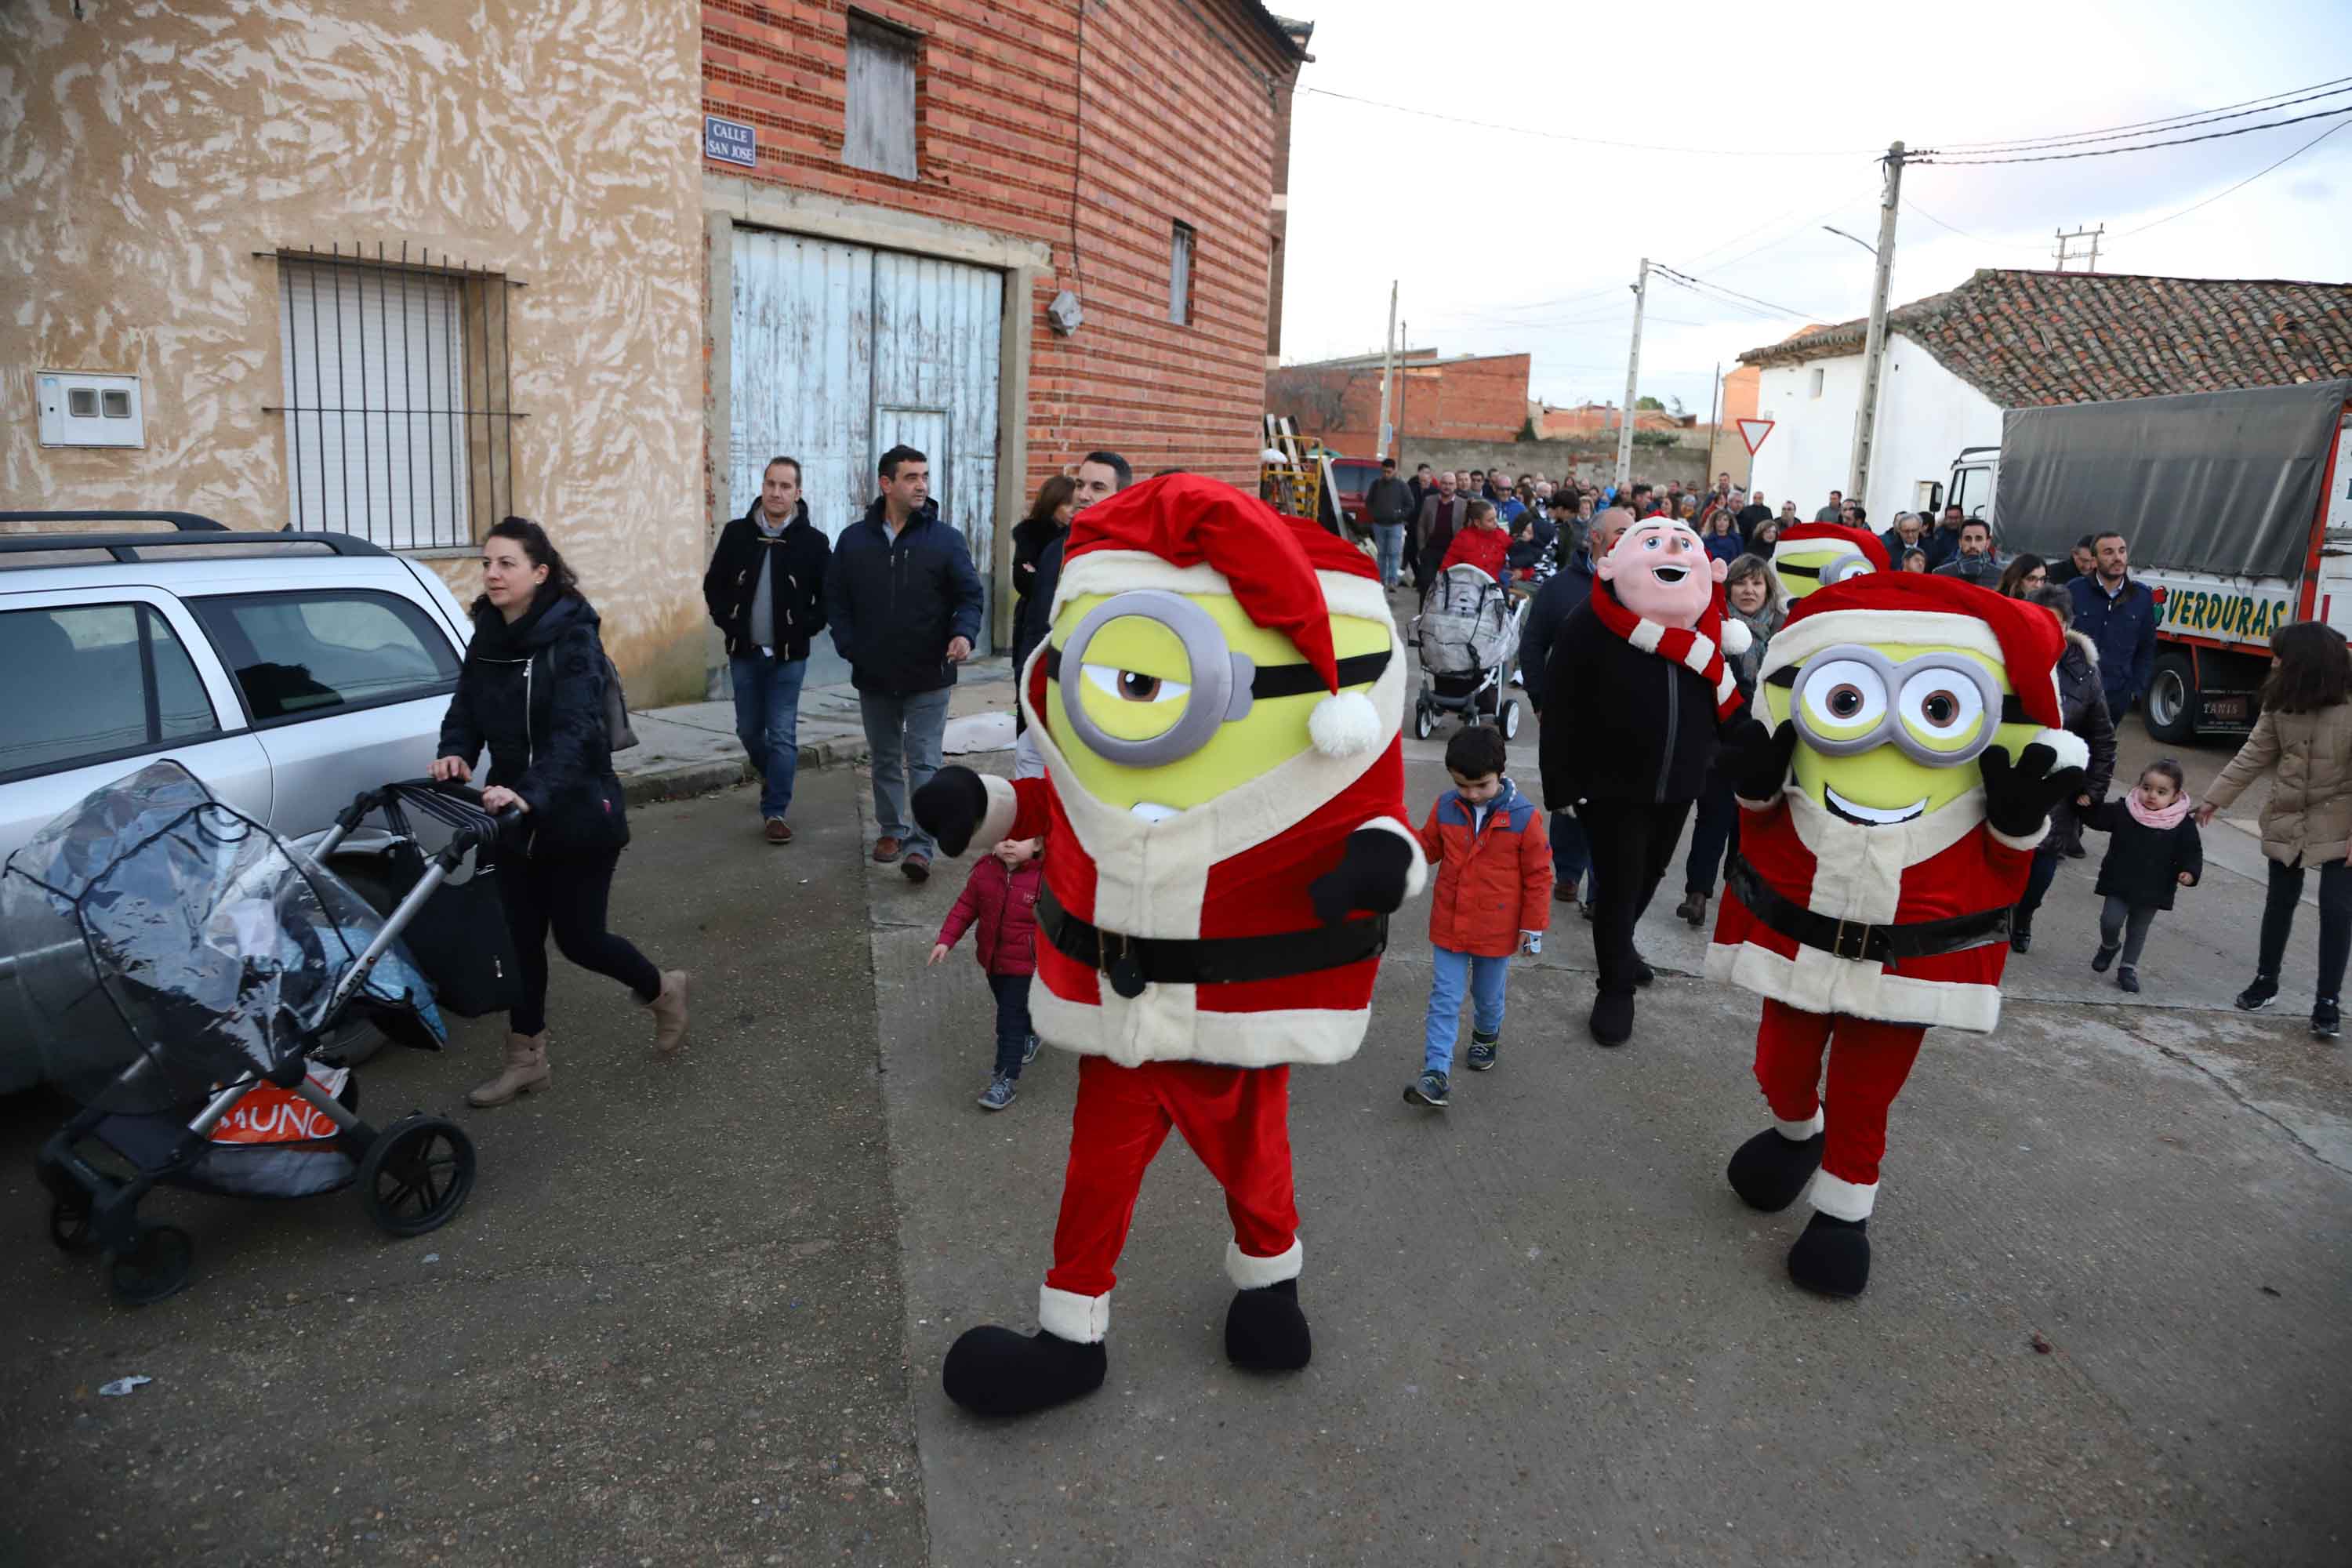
<point>1929,157</point>
<point>2241,184</point>
<point>1964,233</point>
<point>2180,121</point>
<point>1580,140</point>
<point>1687,278</point>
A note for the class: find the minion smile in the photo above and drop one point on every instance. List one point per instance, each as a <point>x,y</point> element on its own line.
<point>1871,816</point>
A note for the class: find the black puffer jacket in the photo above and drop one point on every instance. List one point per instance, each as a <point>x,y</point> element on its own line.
<point>533,692</point>
<point>795,562</point>
<point>2083,706</point>
<point>894,605</point>
<point>1620,724</point>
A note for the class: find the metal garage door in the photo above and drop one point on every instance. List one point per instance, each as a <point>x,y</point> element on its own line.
<point>841,351</point>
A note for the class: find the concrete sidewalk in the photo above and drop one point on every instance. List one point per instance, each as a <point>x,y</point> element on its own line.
<point>690,749</point>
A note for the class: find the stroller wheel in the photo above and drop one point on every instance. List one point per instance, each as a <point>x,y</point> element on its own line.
<point>1508,720</point>
<point>1423,721</point>
<point>158,1265</point>
<point>69,1226</point>
<point>417,1175</point>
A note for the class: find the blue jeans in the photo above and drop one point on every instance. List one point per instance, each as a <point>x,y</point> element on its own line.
<point>1012,1026</point>
<point>768,723</point>
<point>1572,855</point>
<point>1388,539</point>
<point>1449,971</point>
<point>904,734</point>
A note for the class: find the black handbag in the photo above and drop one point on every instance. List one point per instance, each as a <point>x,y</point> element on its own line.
<point>459,939</point>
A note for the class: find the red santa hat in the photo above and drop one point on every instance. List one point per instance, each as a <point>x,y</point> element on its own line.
<point>1864,543</point>
<point>1187,534</point>
<point>1924,610</point>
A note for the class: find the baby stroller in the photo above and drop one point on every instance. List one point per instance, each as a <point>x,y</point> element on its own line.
<point>1468,634</point>
<point>179,966</point>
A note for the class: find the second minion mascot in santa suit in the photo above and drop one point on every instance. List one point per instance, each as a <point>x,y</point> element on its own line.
<point>1812,555</point>
<point>1885,831</point>
<point>1218,707</point>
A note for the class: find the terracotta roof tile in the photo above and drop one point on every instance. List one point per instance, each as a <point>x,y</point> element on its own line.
<point>2027,339</point>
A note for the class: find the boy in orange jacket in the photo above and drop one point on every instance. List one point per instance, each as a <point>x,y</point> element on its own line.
<point>1491,898</point>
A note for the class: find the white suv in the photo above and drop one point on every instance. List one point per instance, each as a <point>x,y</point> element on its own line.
<point>289,671</point>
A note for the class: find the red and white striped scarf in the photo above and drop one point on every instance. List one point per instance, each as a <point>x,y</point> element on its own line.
<point>1699,650</point>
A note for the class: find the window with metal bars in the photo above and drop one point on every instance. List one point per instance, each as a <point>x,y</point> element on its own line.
<point>399,414</point>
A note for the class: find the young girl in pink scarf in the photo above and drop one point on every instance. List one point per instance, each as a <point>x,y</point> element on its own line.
<point>2152,849</point>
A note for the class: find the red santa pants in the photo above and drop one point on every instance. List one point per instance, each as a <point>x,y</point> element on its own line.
<point>1868,1062</point>
<point>1237,1120</point>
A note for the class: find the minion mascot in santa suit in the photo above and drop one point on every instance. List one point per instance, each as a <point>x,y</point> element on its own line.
<point>1218,707</point>
<point>1889,818</point>
<point>1813,555</point>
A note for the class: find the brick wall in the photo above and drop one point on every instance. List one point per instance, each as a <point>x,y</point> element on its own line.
<point>1164,112</point>
<point>1455,400</point>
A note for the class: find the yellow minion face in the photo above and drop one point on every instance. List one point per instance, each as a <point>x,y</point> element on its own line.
<point>1162,701</point>
<point>1806,565</point>
<point>1887,733</point>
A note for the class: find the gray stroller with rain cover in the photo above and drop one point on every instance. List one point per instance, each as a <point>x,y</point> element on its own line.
<point>179,966</point>
<point>1467,636</point>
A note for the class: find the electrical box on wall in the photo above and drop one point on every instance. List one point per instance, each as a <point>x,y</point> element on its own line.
<point>82,409</point>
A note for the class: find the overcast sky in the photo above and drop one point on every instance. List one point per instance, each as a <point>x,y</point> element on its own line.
<point>1506,243</point>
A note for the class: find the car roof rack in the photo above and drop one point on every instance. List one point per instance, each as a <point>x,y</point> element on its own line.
<point>188,528</point>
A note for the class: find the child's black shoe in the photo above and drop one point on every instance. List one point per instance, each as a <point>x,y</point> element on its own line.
<point>1482,1050</point>
<point>2260,995</point>
<point>2326,1022</point>
<point>2127,978</point>
<point>2107,956</point>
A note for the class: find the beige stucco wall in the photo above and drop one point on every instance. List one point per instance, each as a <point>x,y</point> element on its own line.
<point>147,152</point>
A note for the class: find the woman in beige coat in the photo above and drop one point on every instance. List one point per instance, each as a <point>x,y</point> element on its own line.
<point>2305,733</point>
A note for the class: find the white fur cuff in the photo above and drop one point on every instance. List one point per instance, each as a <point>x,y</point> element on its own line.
<point>1249,1273</point>
<point>1081,1320</point>
<point>1003,806</point>
<point>1416,877</point>
<point>1797,1131</point>
<point>1842,1199</point>
<point>2073,750</point>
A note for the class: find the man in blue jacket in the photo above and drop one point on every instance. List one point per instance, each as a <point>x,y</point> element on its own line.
<point>2119,615</point>
<point>904,605</point>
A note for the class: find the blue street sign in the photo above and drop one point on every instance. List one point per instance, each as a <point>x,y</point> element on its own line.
<point>730,142</point>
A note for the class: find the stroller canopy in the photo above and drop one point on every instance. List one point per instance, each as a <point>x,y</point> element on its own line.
<point>1468,624</point>
<point>165,944</point>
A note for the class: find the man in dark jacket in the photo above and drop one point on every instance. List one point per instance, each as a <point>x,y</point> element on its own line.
<point>1562,594</point>
<point>2119,615</point>
<point>904,605</point>
<point>1942,544</point>
<point>1442,513</point>
<point>1390,503</point>
<point>2084,707</point>
<point>765,590</point>
<point>1976,562</point>
<point>1753,515</point>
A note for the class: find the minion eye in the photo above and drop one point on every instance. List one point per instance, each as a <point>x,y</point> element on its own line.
<point>1845,694</point>
<point>1938,707</point>
<point>1847,567</point>
<point>1134,686</point>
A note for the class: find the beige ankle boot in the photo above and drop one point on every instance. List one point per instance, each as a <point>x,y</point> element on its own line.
<point>669,1012</point>
<point>525,1070</point>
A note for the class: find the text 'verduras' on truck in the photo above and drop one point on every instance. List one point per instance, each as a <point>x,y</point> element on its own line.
<point>2237,506</point>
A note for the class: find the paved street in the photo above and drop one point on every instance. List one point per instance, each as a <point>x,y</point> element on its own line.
<point>695,1312</point>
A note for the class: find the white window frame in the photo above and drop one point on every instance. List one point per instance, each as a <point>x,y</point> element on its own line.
<point>1184,250</point>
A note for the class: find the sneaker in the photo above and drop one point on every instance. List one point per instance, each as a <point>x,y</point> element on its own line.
<point>1482,1052</point>
<point>2127,978</point>
<point>777,831</point>
<point>1428,1089</point>
<point>1692,909</point>
<point>916,868</point>
<point>1029,1051</point>
<point>2107,956</point>
<point>1000,1093</point>
<point>2259,995</point>
<point>886,850</point>
<point>2327,1022</point>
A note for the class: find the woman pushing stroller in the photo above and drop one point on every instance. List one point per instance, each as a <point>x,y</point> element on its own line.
<point>532,690</point>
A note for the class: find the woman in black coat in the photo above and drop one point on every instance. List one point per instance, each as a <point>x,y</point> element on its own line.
<point>2085,708</point>
<point>1048,520</point>
<point>532,690</point>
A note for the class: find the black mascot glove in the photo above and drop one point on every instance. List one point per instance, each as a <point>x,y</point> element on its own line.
<point>2019,796</point>
<point>1756,760</point>
<point>1370,876</point>
<point>951,808</point>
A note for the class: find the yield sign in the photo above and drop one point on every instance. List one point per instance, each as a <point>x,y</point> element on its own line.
<point>1753,432</point>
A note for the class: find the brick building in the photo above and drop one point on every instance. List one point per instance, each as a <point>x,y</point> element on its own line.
<point>1469,397</point>
<point>901,194</point>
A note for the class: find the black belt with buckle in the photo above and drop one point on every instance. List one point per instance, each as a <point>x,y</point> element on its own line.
<point>1131,963</point>
<point>1856,940</point>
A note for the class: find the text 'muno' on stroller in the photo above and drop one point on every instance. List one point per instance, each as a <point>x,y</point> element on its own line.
<point>180,966</point>
<point>1467,636</point>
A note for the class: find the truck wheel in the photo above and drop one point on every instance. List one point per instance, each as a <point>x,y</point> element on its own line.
<point>2170,706</point>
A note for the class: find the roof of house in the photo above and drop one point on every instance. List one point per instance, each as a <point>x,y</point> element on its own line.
<point>1293,36</point>
<point>2031,339</point>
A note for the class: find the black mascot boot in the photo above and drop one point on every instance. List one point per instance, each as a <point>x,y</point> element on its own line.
<point>1832,1256</point>
<point>992,1371</point>
<point>1770,1171</point>
<point>1264,1329</point>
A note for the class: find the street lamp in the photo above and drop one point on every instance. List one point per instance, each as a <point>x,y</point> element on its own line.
<point>1842,234</point>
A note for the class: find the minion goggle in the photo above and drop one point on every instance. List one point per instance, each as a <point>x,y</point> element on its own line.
<point>1837,569</point>
<point>1940,710</point>
<point>1196,683</point>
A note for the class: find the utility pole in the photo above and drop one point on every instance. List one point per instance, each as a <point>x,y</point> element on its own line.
<point>1388,370</point>
<point>2064,256</point>
<point>1874,352</point>
<point>1633,382</point>
<point>1714,409</point>
<point>1404,344</point>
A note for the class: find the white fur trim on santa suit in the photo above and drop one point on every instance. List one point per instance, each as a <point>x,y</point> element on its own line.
<point>1797,1131</point>
<point>1125,571</point>
<point>1841,1199</point>
<point>1249,1273</point>
<point>2073,751</point>
<point>1066,1315</point>
<point>997,821</point>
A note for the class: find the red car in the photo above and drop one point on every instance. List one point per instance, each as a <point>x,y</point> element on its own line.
<point>1352,480</point>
